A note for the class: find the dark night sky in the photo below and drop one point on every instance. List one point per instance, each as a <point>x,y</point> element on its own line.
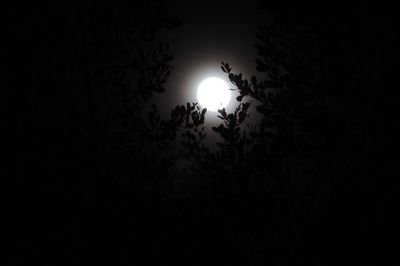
<point>212,31</point>
<point>96,176</point>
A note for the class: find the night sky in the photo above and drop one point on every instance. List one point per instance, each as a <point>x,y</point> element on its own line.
<point>113,160</point>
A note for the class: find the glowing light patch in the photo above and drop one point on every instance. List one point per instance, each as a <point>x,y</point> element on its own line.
<point>213,94</point>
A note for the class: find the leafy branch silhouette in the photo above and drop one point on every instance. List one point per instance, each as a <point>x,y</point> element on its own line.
<point>152,177</point>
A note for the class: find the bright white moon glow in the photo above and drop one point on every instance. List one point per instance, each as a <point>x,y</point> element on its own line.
<point>213,94</point>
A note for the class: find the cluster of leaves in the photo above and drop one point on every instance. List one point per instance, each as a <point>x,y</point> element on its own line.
<point>260,182</point>
<point>288,98</point>
<point>124,81</point>
<point>251,162</point>
<point>284,100</point>
<point>259,160</point>
<point>189,119</point>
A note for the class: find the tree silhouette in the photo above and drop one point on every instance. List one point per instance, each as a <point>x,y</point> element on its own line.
<point>127,184</point>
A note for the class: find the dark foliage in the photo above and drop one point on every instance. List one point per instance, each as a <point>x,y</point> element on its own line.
<point>301,173</point>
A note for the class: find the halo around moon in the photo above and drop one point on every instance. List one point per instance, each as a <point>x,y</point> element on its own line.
<point>213,93</point>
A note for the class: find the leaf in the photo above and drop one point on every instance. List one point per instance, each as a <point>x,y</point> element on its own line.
<point>245,106</point>
<point>242,116</point>
<point>232,78</point>
<point>222,112</point>
<point>225,67</point>
<point>195,117</point>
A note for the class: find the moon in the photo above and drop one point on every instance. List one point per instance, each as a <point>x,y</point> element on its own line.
<point>213,93</point>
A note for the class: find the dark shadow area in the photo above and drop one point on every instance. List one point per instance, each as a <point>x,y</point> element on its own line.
<point>98,176</point>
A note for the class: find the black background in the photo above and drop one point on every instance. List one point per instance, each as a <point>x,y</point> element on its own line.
<point>70,197</point>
